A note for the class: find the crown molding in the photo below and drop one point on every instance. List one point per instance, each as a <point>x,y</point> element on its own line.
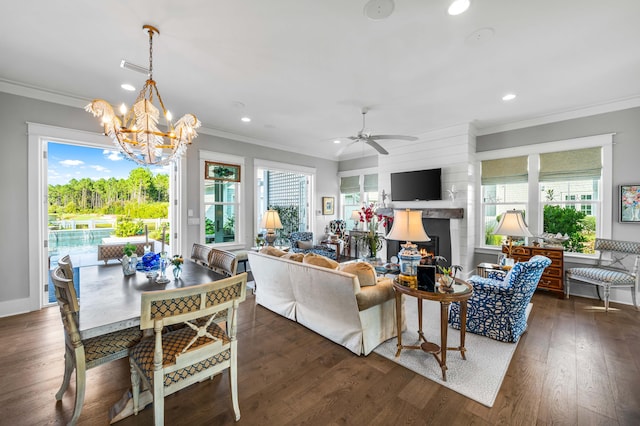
<point>617,105</point>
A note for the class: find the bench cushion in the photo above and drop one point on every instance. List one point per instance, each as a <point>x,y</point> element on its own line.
<point>602,275</point>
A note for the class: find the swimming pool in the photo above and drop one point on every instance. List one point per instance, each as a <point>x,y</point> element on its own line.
<point>80,244</point>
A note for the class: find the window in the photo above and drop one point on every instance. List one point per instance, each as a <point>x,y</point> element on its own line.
<point>286,188</point>
<point>222,186</point>
<point>353,195</point>
<point>504,187</point>
<point>568,199</point>
<point>570,182</point>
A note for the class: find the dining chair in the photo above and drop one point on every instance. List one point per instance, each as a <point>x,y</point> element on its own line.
<point>223,262</point>
<point>200,254</point>
<point>84,354</point>
<point>170,361</point>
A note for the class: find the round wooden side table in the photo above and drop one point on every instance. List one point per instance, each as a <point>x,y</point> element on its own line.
<point>462,291</point>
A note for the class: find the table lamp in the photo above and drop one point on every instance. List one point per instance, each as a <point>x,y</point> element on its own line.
<point>355,216</point>
<point>407,226</point>
<point>270,221</point>
<point>512,224</point>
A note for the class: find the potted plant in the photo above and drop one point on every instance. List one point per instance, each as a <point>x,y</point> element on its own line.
<point>129,259</point>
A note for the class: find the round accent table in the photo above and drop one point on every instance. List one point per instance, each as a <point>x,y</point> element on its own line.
<point>462,291</point>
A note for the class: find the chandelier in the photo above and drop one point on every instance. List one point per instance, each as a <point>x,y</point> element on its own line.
<point>136,133</point>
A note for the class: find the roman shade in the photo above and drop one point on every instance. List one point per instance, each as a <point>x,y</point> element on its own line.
<point>371,183</point>
<point>576,164</point>
<point>505,170</point>
<point>350,184</point>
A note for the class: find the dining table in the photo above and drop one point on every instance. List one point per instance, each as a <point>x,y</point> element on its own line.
<point>111,301</point>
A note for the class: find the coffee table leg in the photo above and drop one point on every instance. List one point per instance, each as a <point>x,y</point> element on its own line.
<point>463,327</point>
<point>399,321</point>
<point>444,319</point>
<point>420,333</point>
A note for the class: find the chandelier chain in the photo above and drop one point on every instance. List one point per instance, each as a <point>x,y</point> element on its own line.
<point>150,53</point>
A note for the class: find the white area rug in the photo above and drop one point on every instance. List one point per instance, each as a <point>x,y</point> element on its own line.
<point>479,377</point>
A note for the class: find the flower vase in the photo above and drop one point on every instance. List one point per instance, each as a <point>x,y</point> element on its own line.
<point>177,271</point>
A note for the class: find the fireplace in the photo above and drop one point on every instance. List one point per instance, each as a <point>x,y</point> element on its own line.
<point>440,244</point>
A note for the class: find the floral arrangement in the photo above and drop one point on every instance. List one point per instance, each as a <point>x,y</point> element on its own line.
<point>372,239</point>
<point>177,260</point>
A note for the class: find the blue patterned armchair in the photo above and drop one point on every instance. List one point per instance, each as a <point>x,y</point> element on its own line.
<point>497,308</point>
<point>302,242</point>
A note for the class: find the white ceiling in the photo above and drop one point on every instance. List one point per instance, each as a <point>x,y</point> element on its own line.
<point>303,69</point>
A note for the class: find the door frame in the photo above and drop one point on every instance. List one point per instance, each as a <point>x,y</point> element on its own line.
<point>38,136</point>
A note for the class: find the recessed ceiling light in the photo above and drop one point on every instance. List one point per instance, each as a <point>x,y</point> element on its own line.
<point>458,7</point>
<point>337,141</point>
<point>509,97</point>
<point>246,119</point>
<point>128,87</point>
<point>379,9</point>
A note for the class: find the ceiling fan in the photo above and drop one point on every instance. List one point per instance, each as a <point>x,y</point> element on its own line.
<point>371,140</point>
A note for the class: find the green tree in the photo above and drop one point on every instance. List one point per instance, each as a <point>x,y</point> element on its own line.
<point>566,220</point>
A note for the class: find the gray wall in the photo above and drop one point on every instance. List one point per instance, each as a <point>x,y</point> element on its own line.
<point>16,111</point>
<point>626,156</point>
<point>358,163</point>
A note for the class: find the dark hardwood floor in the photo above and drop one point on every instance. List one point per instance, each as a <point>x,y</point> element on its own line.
<point>574,366</point>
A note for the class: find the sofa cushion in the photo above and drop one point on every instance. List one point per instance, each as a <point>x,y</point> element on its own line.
<point>293,256</point>
<point>365,272</point>
<point>272,251</point>
<point>317,260</point>
<point>305,245</point>
<point>374,295</point>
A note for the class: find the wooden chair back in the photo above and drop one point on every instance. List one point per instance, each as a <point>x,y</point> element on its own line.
<point>200,349</point>
<point>223,262</point>
<point>200,254</point>
<point>67,299</point>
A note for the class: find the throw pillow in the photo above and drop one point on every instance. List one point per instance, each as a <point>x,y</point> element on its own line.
<point>272,251</point>
<point>293,256</point>
<point>305,245</point>
<point>365,272</point>
<point>318,260</point>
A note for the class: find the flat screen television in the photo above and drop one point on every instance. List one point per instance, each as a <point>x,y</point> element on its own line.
<point>419,185</point>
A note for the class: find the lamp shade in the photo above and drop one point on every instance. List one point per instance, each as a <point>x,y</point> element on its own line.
<point>407,226</point>
<point>512,224</point>
<point>270,220</point>
<point>355,215</point>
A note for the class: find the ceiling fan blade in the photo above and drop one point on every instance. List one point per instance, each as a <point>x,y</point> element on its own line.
<point>342,149</point>
<point>376,146</point>
<point>398,137</point>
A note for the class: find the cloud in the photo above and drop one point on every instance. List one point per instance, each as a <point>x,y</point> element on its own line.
<point>71,163</point>
<point>99,168</point>
<point>112,155</point>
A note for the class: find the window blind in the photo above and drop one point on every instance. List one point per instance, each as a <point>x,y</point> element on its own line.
<point>350,184</point>
<point>371,183</point>
<point>577,164</point>
<point>505,170</point>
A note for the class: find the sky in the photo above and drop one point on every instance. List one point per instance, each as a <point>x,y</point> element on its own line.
<point>67,162</point>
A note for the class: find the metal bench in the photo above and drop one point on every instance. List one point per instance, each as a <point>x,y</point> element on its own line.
<point>617,266</point>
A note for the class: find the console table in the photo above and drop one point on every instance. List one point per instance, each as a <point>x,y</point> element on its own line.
<point>552,277</point>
